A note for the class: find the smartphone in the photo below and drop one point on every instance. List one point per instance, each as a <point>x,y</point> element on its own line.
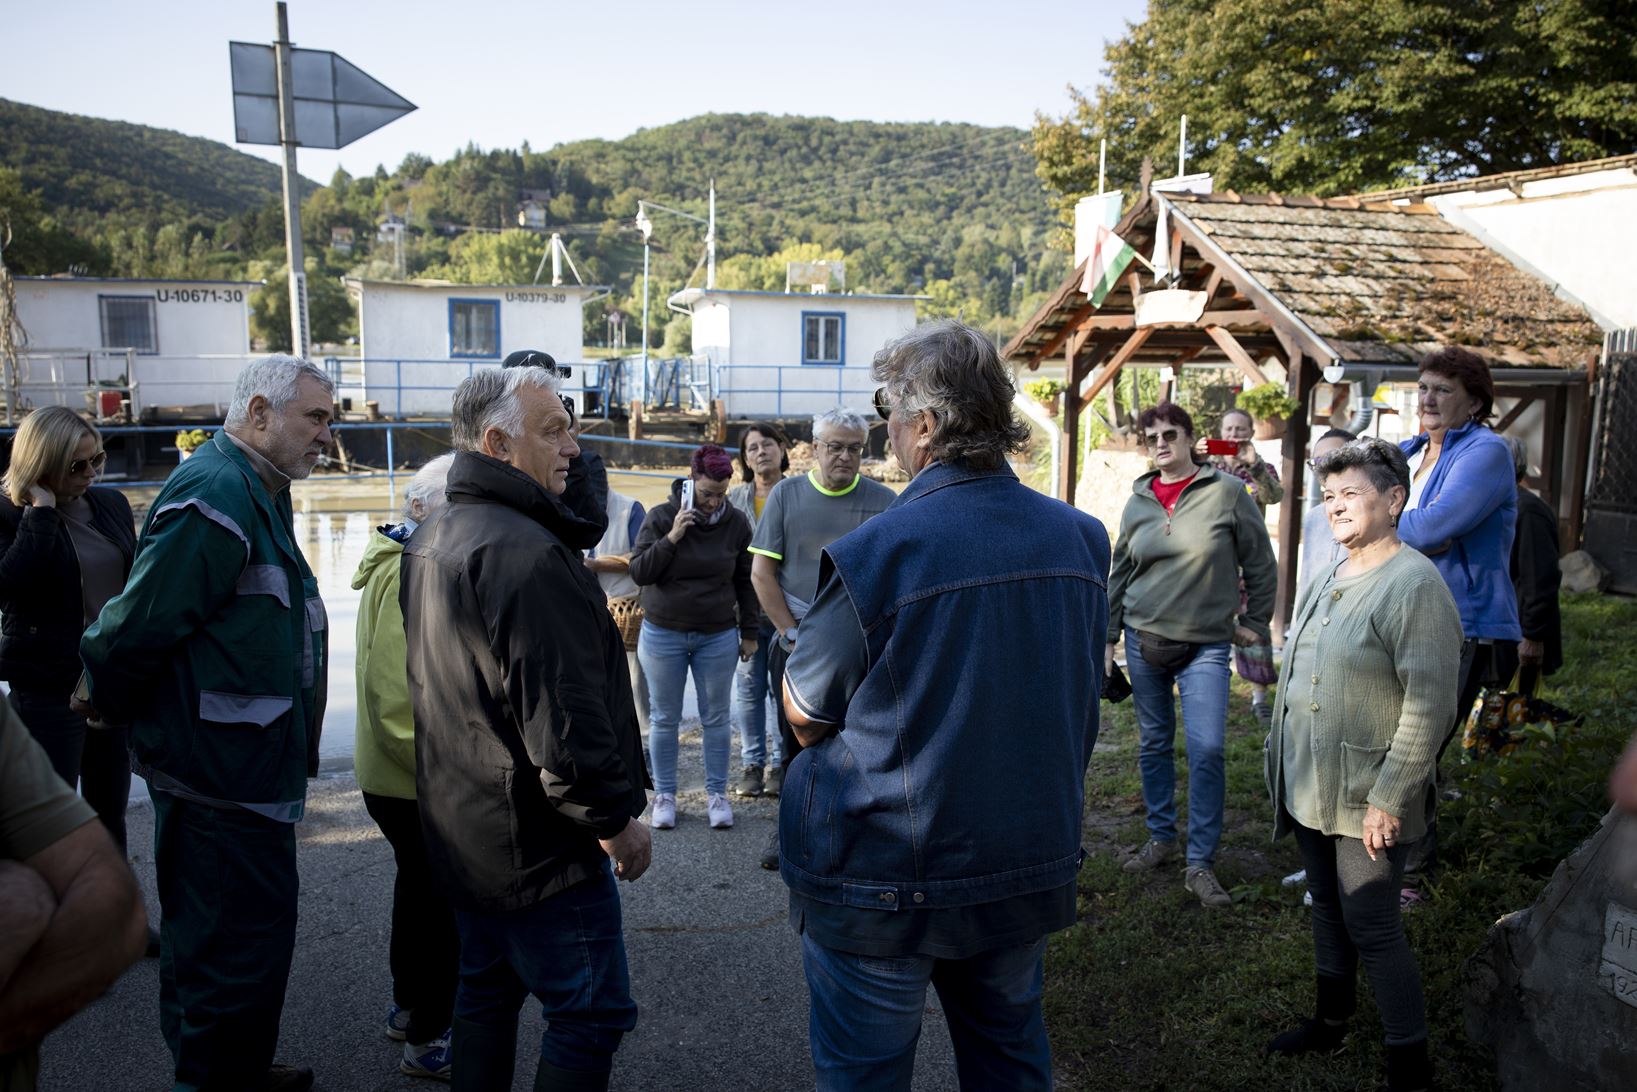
<point>1221,447</point>
<point>687,494</point>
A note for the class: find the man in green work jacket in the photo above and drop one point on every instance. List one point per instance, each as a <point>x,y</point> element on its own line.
<point>215,655</point>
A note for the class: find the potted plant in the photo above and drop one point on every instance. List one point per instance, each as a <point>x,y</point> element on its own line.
<point>1270,407</point>
<point>187,440</point>
<point>1047,392</point>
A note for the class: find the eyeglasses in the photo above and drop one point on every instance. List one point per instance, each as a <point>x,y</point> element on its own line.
<point>882,406</point>
<point>837,450</point>
<point>95,462</point>
<point>1169,436</point>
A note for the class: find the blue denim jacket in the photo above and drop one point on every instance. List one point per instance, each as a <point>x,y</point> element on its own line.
<point>958,774</point>
<point>1468,513</point>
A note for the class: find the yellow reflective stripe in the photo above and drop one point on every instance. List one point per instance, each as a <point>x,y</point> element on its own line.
<point>766,553</point>
<point>813,480</point>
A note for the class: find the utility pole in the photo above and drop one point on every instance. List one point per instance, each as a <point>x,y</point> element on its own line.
<point>710,242</point>
<point>292,188</point>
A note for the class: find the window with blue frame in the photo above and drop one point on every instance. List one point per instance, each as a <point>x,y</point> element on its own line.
<point>474,328</point>
<point>823,337</point>
<point>128,322</point>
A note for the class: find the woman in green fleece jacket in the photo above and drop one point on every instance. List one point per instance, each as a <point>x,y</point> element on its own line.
<point>1364,699</point>
<point>1188,535</point>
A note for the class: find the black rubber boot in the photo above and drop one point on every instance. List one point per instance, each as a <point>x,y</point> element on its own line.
<point>1409,1069</point>
<point>549,1078</point>
<point>1326,1031</point>
<point>484,1056</point>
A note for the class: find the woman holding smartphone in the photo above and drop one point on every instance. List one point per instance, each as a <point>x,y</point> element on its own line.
<point>692,560</point>
<point>1234,454</point>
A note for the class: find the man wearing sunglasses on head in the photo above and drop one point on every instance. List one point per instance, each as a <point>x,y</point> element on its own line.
<point>803,515</point>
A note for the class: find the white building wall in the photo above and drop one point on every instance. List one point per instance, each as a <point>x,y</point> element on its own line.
<point>202,330</point>
<point>763,374</point>
<point>1578,231</point>
<point>404,337</point>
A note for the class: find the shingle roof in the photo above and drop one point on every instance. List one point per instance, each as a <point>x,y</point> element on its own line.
<point>1383,283</point>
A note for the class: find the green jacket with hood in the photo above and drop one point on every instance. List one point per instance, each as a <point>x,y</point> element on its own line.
<point>384,747</point>
<point>1178,575</point>
<point>215,652</point>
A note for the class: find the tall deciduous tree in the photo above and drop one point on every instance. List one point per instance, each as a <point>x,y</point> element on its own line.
<point>1352,95</point>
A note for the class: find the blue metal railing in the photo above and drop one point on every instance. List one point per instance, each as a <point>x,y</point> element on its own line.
<point>857,393</point>
<point>391,472</point>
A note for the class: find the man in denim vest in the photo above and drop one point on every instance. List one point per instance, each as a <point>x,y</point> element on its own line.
<point>946,689</point>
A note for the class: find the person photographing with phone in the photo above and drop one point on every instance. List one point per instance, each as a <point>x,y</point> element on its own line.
<point>700,614</point>
<point>1188,535</point>
<point>1234,454</point>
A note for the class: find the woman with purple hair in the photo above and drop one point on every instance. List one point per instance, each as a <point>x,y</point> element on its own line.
<point>692,560</point>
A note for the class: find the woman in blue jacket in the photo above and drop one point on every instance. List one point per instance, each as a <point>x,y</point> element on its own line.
<point>1461,513</point>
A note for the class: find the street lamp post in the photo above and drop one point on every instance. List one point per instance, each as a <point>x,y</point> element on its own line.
<point>646,226</point>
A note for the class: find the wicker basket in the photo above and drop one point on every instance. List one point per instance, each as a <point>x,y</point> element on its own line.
<point>627,612</point>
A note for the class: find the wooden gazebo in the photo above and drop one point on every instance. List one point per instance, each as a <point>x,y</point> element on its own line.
<point>1297,285</point>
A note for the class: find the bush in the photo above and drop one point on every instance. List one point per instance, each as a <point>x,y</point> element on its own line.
<point>1268,400</point>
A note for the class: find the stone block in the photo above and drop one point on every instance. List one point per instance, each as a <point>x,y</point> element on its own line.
<point>1583,573</point>
<point>1553,992</point>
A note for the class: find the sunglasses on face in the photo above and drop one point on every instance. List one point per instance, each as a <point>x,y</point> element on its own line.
<point>95,462</point>
<point>1169,436</point>
<point>882,406</point>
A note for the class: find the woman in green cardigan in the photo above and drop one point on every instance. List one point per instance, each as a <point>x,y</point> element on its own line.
<point>1364,699</point>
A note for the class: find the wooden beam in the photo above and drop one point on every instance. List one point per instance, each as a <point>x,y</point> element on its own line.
<point>1514,413</point>
<point>1176,255</point>
<point>1550,484</point>
<point>1247,316</point>
<point>1306,376</point>
<point>1112,368</point>
<point>1236,353</point>
<point>1070,326</point>
<point>1213,284</point>
<point>1134,284</point>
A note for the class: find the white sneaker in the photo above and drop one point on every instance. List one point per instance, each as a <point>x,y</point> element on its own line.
<point>664,816</point>
<point>719,810</point>
<point>1294,878</point>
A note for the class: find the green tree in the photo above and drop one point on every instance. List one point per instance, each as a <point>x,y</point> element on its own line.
<point>33,240</point>
<point>1352,95</point>
<point>330,314</point>
<point>506,257</point>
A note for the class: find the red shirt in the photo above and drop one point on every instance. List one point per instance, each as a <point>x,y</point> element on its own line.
<point>1168,494</point>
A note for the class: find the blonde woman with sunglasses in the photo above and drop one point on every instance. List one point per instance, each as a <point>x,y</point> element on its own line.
<point>66,546</point>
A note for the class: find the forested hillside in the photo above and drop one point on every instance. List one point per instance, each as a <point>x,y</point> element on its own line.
<point>950,211</point>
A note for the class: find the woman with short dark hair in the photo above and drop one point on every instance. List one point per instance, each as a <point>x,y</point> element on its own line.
<point>764,456</point>
<point>1364,699</point>
<point>1461,513</point>
<point>692,559</point>
<point>1188,535</point>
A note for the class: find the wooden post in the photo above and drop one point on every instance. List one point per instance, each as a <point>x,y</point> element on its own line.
<point>1582,457</point>
<point>1551,452</point>
<point>1305,373</point>
<point>1069,456</point>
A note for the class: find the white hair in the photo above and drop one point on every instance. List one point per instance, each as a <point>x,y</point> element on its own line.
<point>843,418</point>
<point>274,378</point>
<point>488,399</point>
<point>427,486</point>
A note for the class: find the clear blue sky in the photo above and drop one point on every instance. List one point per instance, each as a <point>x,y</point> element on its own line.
<point>498,72</point>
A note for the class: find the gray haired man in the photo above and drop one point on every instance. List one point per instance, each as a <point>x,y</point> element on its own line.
<point>529,764</point>
<point>799,519</point>
<point>215,655</point>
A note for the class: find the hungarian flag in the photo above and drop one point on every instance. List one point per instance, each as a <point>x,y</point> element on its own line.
<point>1108,260</point>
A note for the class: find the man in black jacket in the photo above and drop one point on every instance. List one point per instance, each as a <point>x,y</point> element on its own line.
<point>529,762</point>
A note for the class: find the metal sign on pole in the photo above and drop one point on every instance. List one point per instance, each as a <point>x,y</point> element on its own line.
<point>309,98</point>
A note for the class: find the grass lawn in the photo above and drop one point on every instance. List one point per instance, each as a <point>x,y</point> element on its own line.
<point>1152,991</point>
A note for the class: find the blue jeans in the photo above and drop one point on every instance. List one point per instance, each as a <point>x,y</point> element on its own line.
<point>1203,685</point>
<point>865,1017</point>
<point>666,656</point>
<point>569,952</point>
<point>752,684</point>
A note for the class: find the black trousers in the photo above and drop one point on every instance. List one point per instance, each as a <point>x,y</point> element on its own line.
<point>776,659</point>
<point>96,760</point>
<point>1481,665</point>
<point>425,950</point>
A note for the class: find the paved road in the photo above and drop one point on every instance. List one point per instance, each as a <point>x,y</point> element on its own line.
<point>715,967</point>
